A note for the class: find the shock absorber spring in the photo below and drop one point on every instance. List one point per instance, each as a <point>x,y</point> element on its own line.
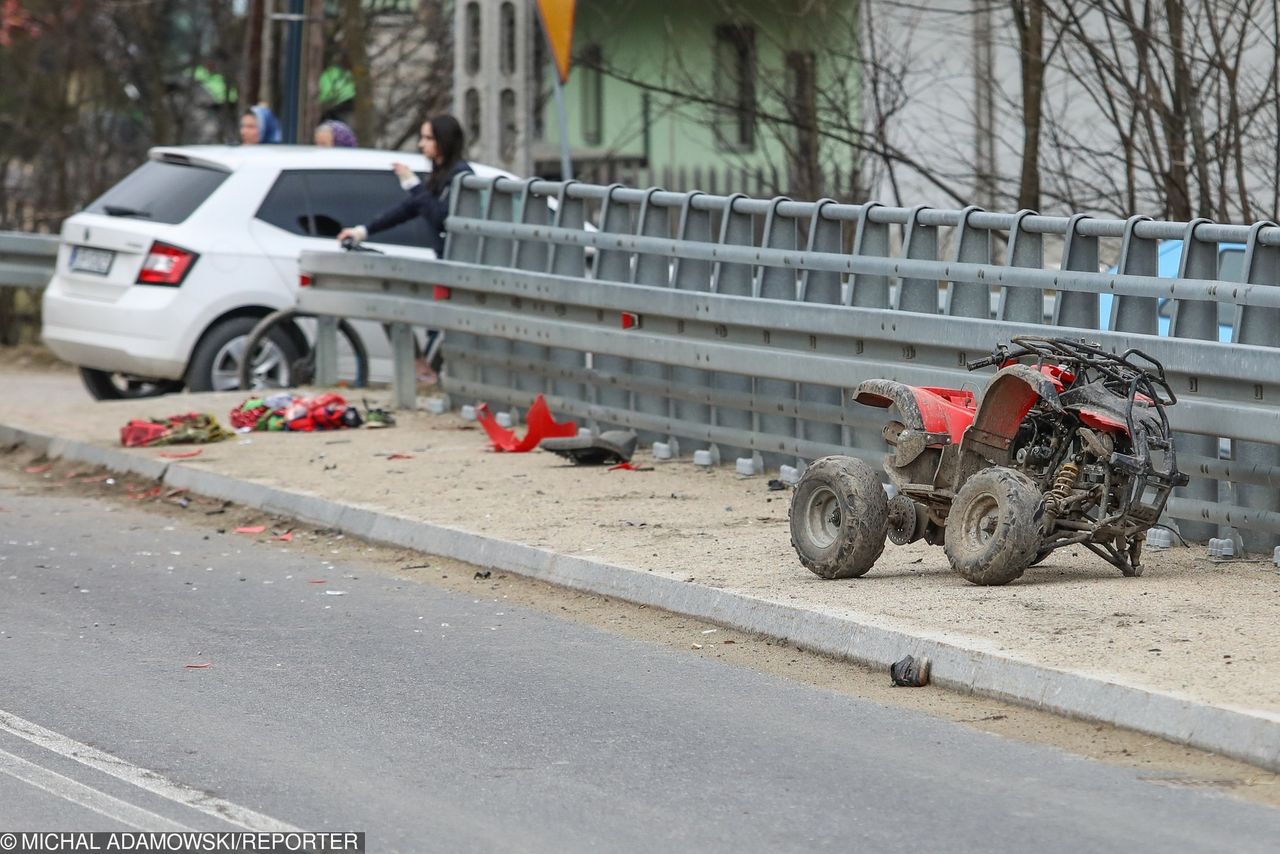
<point>1063,483</point>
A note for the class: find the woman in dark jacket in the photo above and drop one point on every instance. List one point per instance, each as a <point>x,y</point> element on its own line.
<point>441,142</point>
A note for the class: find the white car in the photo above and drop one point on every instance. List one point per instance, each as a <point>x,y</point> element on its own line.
<point>159,281</point>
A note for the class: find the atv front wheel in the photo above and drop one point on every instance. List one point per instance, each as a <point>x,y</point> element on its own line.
<point>839,516</point>
<point>992,534</point>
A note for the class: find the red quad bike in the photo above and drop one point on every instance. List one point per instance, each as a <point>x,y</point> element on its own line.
<point>1069,445</point>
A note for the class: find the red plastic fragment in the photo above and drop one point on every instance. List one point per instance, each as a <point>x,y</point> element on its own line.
<point>286,537</point>
<point>541,426</point>
<point>318,581</point>
<point>38,469</point>
<point>623,467</point>
<point>181,455</point>
<point>199,666</point>
<point>251,529</point>
<point>400,456</point>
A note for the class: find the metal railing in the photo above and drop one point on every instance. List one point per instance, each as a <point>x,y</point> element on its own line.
<point>27,260</point>
<point>737,326</point>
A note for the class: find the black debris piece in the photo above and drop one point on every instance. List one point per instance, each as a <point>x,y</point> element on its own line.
<point>608,448</point>
<point>910,672</point>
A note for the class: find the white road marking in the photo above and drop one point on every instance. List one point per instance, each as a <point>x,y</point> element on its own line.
<point>151,781</point>
<point>78,793</point>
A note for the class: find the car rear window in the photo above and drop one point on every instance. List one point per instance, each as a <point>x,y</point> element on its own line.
<point>160,191</point>
<point>320,202</point>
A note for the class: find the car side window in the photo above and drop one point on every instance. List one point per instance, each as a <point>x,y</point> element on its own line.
<point>286,205</point>
<point>341,198</point>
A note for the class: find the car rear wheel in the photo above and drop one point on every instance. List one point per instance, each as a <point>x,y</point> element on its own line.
<point>104,385</point>
<point>215,364</point>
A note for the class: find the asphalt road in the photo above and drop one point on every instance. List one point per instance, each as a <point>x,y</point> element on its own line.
<point>438,721</point>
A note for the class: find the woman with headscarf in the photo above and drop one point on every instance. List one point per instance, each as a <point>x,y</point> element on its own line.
<point>441,142</point>
<point>335,134</point>
<point>258,125</point>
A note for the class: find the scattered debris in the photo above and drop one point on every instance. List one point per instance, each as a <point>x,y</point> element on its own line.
<point>181,455</point>
<point>400,456</point>
<point>335,593</point>
<point>708,631</point>
<point>695,646</point>
<point>910,672</point>
<point>612,446</point>
<point>540,423</point>
<point>251,529</point>
<point>38,469</point>
<point>776,485</point>
<point>200,666</point>
<point>286,537</point>
<point>482,574</point>
<point>187,428</point>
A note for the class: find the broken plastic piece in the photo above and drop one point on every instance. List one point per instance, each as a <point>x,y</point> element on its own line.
<point>610,447</point>
<point>198,666</point>
<point>286,537</point>
<point>181,455</point>
<point>910,672</point>
<point>251,529</point>
<point>776,485</point>
<point>541,426</point>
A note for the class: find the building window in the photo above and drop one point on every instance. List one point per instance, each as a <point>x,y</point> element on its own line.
<point>507,29</point>
<point>471,115</point>
<point>542,90</point>
<point>507,127</point>
<point>472,36</point>
<point>735,86</point>
<point>802,109</point>
<point>591,62</point>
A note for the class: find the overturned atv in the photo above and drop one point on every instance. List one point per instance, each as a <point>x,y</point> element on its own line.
<point>1069,446</point>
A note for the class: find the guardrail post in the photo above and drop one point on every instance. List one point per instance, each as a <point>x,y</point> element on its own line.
<point>737,228</point>
<point>1026,249</point>
<point>1078,309</point>
<point>1259,326</point>
<point>495,352</point>
<point>530,360</point>
<point>973,246</point>
<point>692,275</point>
<point>457,347</point>
<point>776,396</point>
<point>823,286</point>
<point>568,261</point>
<point>612,265</point>
<point>919,243</point>
<point>655,271</point>
<point>1139,256</point>
<point>405,379</point>
<point>1197,319</point>
<point>326,351</point>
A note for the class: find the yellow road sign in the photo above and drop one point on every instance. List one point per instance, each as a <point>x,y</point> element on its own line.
<point>557,23</point>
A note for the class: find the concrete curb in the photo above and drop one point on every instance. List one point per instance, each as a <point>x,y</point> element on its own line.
<point>1249,735</point>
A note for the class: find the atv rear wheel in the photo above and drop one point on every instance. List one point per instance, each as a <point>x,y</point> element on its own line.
<point>992,535</point>
<point>839,516</point>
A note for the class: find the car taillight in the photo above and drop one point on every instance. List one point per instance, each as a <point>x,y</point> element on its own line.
<point>166,265</point>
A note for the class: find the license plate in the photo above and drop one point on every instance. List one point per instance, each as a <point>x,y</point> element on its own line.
<point>86,260</point>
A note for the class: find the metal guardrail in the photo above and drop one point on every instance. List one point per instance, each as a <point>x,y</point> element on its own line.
<point>27,260</point>
<point>738,325</point>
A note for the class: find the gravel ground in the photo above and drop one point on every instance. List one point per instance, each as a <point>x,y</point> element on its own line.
<point>1189,626</point>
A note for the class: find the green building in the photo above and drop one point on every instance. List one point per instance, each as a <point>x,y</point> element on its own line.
<point>718,95</point>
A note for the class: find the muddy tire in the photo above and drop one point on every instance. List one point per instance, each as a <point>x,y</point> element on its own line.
<point>992,533</point>
<point>839,517</point>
